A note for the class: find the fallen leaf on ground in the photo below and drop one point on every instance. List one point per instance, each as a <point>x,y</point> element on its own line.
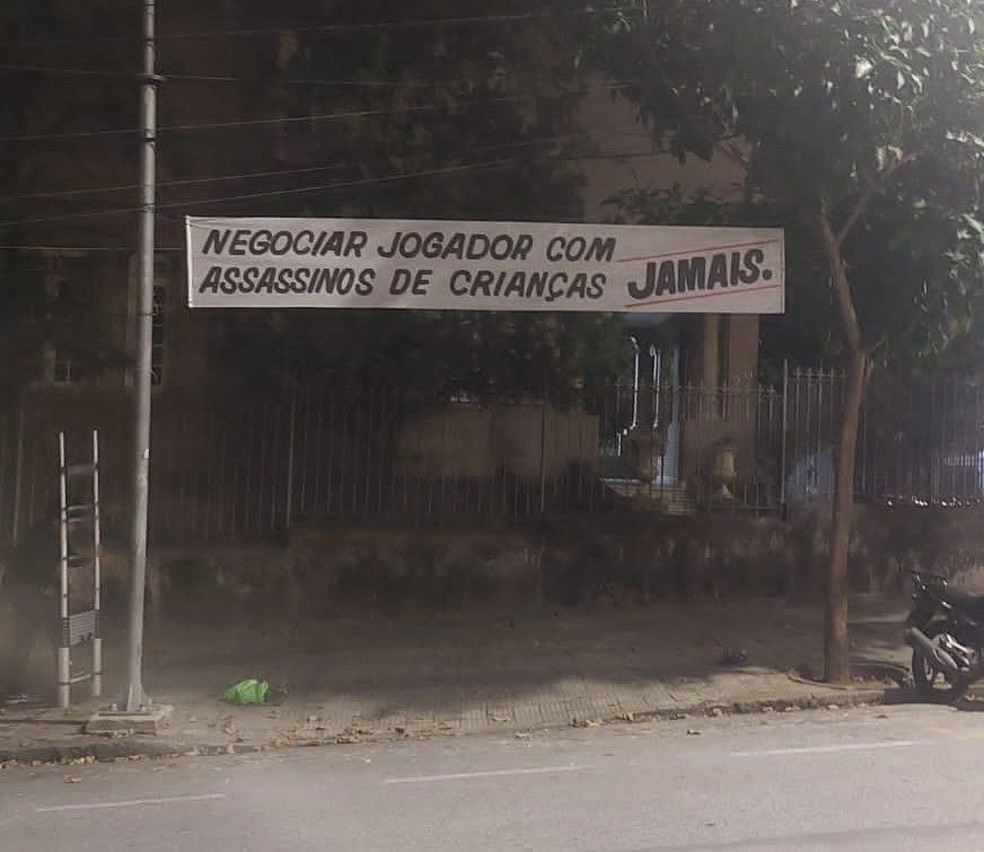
<point>693,732</point>
<point>73,779</point>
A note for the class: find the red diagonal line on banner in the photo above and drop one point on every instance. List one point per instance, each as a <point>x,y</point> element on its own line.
<point>699,251</point>
<point>730,292</point>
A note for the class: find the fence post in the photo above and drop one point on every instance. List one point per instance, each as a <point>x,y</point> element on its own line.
<point>783,442</point>
<point>291,425</point>
<point>18,471</point>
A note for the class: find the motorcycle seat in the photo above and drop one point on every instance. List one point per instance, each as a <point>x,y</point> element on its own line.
<point>970,603</point>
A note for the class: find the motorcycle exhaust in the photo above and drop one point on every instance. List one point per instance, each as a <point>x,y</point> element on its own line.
<point>941,659</point>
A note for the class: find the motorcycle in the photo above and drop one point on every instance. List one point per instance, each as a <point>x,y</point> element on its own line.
<point>946,632</point>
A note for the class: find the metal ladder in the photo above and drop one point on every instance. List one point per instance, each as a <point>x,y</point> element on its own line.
<point>80,550</point>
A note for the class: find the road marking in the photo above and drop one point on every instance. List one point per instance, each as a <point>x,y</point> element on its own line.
<point>831,749</point>
<point>130,803</point>
<point>493,773</point>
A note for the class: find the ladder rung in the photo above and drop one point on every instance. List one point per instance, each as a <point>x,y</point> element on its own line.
<point>80,677</point>
<point>81,561</point>
<point>82,513</point>
<point>84,469</point>
<point>79,627</point>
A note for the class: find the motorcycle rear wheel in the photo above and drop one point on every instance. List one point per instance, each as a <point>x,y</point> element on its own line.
<point>930,682</point>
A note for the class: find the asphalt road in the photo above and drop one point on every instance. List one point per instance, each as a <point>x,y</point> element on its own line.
<point>876,778</point>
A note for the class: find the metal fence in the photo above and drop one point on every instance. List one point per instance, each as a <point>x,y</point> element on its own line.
<point>235,468</point>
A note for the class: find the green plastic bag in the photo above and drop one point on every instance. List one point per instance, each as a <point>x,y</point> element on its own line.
<point>249,691</point>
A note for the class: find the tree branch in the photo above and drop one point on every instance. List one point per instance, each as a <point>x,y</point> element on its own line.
<point>873,189</point>
<point>842,286</point>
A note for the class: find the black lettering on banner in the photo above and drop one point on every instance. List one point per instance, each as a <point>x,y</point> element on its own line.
<point>306,247</point>
<point>401,281</point>
<point>317,281</point>
<point>421,281</point>
<point>458,285</point>
<point>365,283</point>
<point>691,274</point>
<point>230,280</point>
<point>478,247</point>
<point>334,244</point>
<point>596,289</point>
<point>344,281</point>
<point>537,284</point>
<point>356,242</point>
<point>602,249</point>
<point>267,280</point>
<point>752,271</point>
<point>555,254</point>
<point>666,279</point>
<point>644,291</point>
<point>285,277</point>
<point>250,275</point>
<point>501,247</point>
<point>216,241</point>
<point>524,242</point>
<point>578,248</point>
<point>718,273</point>
<point>578,286</point>
<point>516,284</point>
<point>455,247</point>
<point>555,286</point>
<point>281,243</point>
<point>210,283</point>
<point>733,279</point>
<point>239,242</point>
<point>432,244</point>
<point>302,278</point>
<point>411,244</point>
<point>259,242</point>
<point>390,250</point>
<point>483,281</point>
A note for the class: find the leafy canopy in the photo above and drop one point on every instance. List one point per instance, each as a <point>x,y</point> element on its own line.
<point>866,115</point>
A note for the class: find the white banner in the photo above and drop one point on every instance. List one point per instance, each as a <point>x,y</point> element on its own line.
<point>482,266</point>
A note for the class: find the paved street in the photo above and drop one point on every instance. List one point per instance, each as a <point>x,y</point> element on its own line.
<point>870,778</point>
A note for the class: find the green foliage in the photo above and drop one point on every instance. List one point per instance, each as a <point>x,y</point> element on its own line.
<point>484,111</point>
<point>32,36</point>
<point>871,115</point>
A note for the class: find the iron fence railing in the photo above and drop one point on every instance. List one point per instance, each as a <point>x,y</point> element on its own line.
<point>235,468</point>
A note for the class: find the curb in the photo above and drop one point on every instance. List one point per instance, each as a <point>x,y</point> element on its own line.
<point>123,749</point>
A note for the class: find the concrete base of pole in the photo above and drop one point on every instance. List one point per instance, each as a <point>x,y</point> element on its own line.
<point>136,700</point>
<point>119,722</point>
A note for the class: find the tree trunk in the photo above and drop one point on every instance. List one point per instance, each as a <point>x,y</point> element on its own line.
<point>836,657</point>
<point>836,662</point>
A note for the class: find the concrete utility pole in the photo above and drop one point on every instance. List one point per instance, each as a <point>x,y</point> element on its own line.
<point>136,698</point>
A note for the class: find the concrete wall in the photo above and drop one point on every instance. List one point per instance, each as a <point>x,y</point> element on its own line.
<point>466,439</point>
<point>624,558</point>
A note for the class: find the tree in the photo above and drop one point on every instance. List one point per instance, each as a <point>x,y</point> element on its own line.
<point>63,73</point>
<point>862,121</point>
<point>452,115</point>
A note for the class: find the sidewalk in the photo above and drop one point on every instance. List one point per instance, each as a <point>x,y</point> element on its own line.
<point>349,680</point>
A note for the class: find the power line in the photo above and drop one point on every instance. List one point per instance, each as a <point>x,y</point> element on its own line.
<point>324,187</point>
<point>517,17</point>
<point>280,81</point>
<point>267,194</point>
<point>98,190</point>
<point>63,193</point>
<point>256,122</point>
<point>48,69</point>
<point>328,116</point>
